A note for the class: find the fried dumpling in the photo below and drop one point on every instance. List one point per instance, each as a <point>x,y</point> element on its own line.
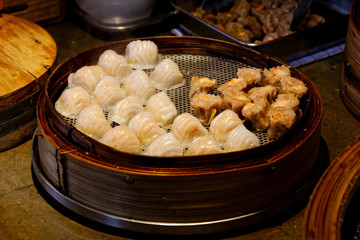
<point>280,121</point>
<point>201,85</point>
<point>240,138</point>
<point>167,75</point>
<point>145,127</point>
<point>274,75</point>
<point>108,92</point>
<point>186,127</point>
<point>142,54</point>
<point>294,86</point>
<point>203,145</point>
<point>139,84</point>
<point>114,64</point>
<point>251,75</point>
<point>165,146</point>
<point>72,101</point>
<point>223,123</point>
<point>206,106</point>
<point>86,77</point>
<point>125,109</point>
<point>122,139</point>
<point>92,121</point>
<point>162,107</point>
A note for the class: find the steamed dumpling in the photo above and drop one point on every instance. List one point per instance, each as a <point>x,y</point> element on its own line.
<point>114,64</point>
<point>139,84</point>
<point>125,109</point>
<point>142,54</point>
<point>122,139</point>
<point>86,77</point>
<point>72,101</point>
<point>167,75</point>
<point>240,138</point>
<point>165,146</point>
<point>92,122</point>
<point>108,92</point>
<point>186,127</point>
<point>145,127</point>
<point>223,123</point>
<point>162,107</point>
<point>203,145</point>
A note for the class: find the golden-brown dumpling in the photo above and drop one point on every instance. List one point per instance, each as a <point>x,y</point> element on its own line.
<point>92,121</point>
<point>125,109</point>
<point>142,54</point>
<point>165,146</point>
<point>167,75</point>
<point>86,77</point>
<point>162,107</point>
<point>139,84</point>
<point>72,101</point>
<point>145,127</point>
<point>114,64</point>
<point>108,92</point>
<point>123,139</point>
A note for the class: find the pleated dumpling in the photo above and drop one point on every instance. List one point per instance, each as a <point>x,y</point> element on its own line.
<point>162,107</point>
<point>145,127</point>
<point>240,138</point>
<point>92,122</point>
<point>86,77</point>
<point>203,145</point>
<point>186,127</point>
<point>123,139</point>
<point>114,64</point>
<point>223,123</point>
<point>139,84</point>
<point>125,109</point>
<point>165,146</point>
<point>108,92</point>
<point>142,54</point>
<point>72,101</point>
<point>167,75</point>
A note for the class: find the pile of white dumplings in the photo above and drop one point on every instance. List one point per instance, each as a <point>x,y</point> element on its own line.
<point>127,108</point>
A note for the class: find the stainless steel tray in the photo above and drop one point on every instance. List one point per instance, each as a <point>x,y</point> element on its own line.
<point>290,47</point>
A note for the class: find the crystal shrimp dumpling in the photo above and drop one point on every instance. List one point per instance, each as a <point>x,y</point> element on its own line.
<point>108,92</point>
<point>165,146</point>
<point>139,84</point>
<point>114,64</point>
<point>125,109</point>
<point>72,101</point>
<point>162,107</point>
<point>167,75</point>
<point>142,54</point>
<point>86,77</point>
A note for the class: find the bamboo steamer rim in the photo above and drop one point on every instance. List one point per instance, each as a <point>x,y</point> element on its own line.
<point>178,165</point>
<point>28,53</point>
<point>330,199</point>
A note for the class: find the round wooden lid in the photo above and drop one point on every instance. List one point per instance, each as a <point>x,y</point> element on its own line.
<point>27,52</point>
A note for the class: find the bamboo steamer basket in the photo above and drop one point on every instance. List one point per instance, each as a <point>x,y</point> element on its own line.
<point>27,54</point>
<point>333,209</point>
<point>177,195</point>
<point>349,84</point>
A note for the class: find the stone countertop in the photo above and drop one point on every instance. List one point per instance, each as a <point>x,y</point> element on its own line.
<point>25,214</point>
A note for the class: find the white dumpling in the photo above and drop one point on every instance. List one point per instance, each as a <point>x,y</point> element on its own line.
<point>142,54</point>
<point>108,92</point>
<point>139,84</point>
<point>114,64</point>
<point>86,77</point>
<point>125,109</point>
<point>186,127</point>
<point>223,123</point>
<point>92,122</point>
<point>165,146</point>
<point>145,127</point>
<point>123,139</point>
<point>240,138</point>
<point>162,107</point>
<point>72,101</point>
<point>167,75</point>
<point>203,145</point>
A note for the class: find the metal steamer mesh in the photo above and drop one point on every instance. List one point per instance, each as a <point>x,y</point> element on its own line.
<point>220,69</point>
